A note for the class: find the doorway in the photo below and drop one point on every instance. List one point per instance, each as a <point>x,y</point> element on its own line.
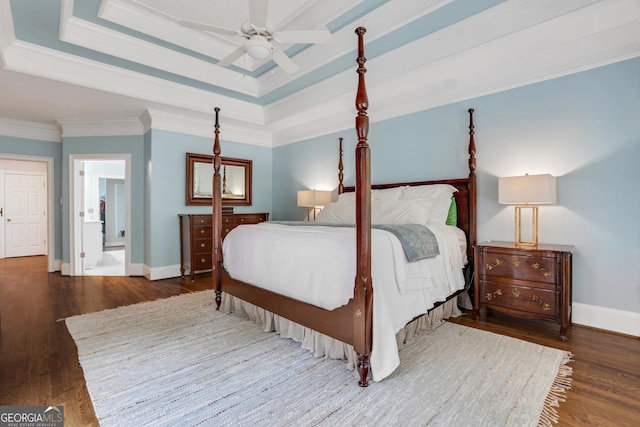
<point>100,215</point>
<point>26,207</point>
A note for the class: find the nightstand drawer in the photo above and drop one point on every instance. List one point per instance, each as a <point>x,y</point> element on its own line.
<point>533,282</point>
<point>519,266</point>
<point>521,298</point>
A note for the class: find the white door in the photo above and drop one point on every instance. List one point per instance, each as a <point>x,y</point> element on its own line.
<point>25,215</point>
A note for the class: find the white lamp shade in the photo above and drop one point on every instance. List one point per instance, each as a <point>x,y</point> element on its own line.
<point>314,198</point>
<point>527,190</point>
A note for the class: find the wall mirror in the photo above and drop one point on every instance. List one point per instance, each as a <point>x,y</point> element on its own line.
<point>235,179</point>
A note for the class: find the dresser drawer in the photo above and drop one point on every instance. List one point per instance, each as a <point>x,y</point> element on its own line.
<point>202,220</point>
<point>519,266</point>
<point>240,219</point>
<point>202,231</point>
<point>196,237</point>
<point>202,245</point>
<point>202,261</point>
<point>522,298</point>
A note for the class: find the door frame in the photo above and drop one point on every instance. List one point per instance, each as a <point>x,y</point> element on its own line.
<point>52,263</point>
<point>75,203</point>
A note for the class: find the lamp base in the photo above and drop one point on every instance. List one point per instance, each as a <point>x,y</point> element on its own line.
<point>534,227</point>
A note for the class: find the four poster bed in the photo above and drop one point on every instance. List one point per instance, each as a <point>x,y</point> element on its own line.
<point>318,303</point>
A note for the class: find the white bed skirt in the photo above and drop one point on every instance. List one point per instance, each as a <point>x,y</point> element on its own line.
<point>323,346</point>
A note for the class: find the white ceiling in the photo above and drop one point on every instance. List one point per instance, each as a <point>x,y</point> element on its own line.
<point>113,65</point>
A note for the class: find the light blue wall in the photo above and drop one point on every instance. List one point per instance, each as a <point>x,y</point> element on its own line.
<point>168,185</point>
<point>43,149</point>
<point>132,145</point>
<point>581,128</point>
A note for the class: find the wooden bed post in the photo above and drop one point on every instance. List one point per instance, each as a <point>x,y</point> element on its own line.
<point>340,169</point>
<point>216,202</point>
<point>472,187</point>
<point>363,290</point>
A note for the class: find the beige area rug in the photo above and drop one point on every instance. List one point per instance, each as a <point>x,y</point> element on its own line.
<point>179,362</point>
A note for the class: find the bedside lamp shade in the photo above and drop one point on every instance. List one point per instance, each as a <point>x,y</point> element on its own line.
<point>526,192</point>
<point>313,199</point>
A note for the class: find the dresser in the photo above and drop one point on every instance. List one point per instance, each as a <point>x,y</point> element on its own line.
<point>196,238</point>
<point>532,282</point>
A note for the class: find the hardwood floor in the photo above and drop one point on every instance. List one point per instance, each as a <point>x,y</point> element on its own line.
<point>39,362</point>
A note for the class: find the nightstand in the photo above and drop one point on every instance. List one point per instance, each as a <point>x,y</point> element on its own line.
<point>532,282</point>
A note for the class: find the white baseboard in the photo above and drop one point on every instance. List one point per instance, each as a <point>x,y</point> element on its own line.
<point>65,269</point>
<point>624,322</point>
<point>55,266</point>
<point>136,269</point>
<point>161,272</point>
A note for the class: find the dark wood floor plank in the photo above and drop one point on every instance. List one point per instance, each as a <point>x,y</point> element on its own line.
<point>39,360</point>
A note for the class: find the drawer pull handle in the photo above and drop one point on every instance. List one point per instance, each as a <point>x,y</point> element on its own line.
<point>202,245</point>
<point>545,272</point>
<point>516,292</point>
<point>491,296</point>
<point>202,260</point>
<point>495,264</point>
<point>544,305</point>
<point>201,231</point>
<point>515,261</point>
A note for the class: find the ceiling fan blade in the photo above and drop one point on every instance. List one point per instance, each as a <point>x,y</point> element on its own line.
<point>258,10</point>
<point>209,28</point>
<point>231,58</point>
<point>284,61</point>
<point>312,36</point>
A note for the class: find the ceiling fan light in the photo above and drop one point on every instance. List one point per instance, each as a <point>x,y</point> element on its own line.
<point>257,47</point>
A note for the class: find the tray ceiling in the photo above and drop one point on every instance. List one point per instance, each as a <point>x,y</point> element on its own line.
<point>72,64</point>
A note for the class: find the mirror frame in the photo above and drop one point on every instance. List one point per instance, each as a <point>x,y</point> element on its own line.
<point>193,158</point>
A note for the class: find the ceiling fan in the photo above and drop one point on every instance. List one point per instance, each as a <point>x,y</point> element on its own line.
<point>259,36</point>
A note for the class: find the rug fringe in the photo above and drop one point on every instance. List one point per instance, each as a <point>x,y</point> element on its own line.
<point>561,384</point>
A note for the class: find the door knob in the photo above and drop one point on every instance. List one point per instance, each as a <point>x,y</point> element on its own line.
<point>8,219</point>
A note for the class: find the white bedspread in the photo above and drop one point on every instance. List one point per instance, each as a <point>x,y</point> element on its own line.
<point>317,264</point>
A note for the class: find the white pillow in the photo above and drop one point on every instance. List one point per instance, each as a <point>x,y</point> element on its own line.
<point>427,191</point>
<point>440,194</point>
<point>440,209</point>
<point>401,211</point>
<point>382,212</point>
<point>386,194</point>
<point>338,213</point>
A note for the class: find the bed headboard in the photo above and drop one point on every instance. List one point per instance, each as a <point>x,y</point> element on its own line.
<point>465,196</point>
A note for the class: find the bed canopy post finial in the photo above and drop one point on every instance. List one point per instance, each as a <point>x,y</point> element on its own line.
<point>216,200</point>
<point>363,291</point>
<point>472,144</point>
<point>340,169</point>
<point>472,188</point>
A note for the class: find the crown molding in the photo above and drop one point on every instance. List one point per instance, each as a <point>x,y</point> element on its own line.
<point>29,130</point>
<point>146,20</point>
<point>42,62</point>
<point>380,22</point>
<point>7,33</point>
<point>231,130</point>
<point>101,39</point>
<point>101,127</point>
<point>489,58</point>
